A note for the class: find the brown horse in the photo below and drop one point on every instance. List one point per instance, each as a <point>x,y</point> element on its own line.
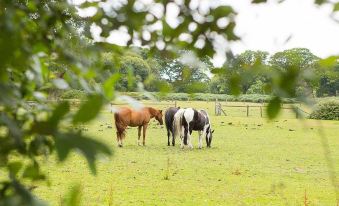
<point>135,118</point>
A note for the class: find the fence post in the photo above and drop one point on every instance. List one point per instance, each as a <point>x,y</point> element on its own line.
<point>247,109</point>
<point>111,108</point>
<point>215,107</point>
<point>260,111</point>
<point>175,103</point>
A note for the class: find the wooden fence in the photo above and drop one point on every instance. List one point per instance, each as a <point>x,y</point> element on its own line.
<point>222,109</point>
<point>165,105</point>
<point>76,102</point>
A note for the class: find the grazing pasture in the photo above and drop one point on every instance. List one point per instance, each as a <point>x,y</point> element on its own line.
<point>252,161</point>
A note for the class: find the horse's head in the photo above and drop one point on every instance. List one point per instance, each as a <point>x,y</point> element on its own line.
<point>158,116</point>
<point>209,135</point>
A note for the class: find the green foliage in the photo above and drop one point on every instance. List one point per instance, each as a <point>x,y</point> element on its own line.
<point>187,77</point>
<point>133,70</point>
<point>89,109</point>
<point>258,98</point>
<point>326,111</point>
<point>73,197</point>
<point>256,88</point>
<point>45,46</point>
<point>274,107</point>
<point>90,148</point>
<point>73,94</point>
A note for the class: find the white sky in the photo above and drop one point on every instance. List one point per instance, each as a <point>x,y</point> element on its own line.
<point>266,27</point>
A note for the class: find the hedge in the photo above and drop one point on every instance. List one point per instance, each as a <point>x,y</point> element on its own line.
<point>326,111</point>
<point>79,94</point>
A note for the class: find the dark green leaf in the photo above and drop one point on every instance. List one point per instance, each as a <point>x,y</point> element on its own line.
<point>14,167</point>
<point>49,127</point>
<point>109,85</point>
<point>320,2</point>
<point>258,1</point>
<point>33,172</point>
<point>336,7</point>
<point>74,196</point>
<point>89,109</point>
<point>274,107</point>
<point>222,11</point>
<point>89,148</point>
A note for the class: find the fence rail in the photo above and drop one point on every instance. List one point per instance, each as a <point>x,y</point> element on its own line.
<point>111,104</point>
<point>221,108</point>
<point>169,104</point>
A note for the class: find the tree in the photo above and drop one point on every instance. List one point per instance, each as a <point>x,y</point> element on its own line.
<point>184,78</point>
<point>248,65</point>
<point>219,85</point>
<point>133,70</point>
<point>302,63</point>
<point>328,80</point>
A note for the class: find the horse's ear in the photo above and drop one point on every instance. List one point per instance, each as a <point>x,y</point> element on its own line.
<point>212,131</point>
<point>160,111</point>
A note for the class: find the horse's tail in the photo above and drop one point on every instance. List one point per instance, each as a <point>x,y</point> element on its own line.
<point>187,129</point>
<point>177,122</point>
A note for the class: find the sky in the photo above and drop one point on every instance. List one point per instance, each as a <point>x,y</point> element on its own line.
<point>267,27</point>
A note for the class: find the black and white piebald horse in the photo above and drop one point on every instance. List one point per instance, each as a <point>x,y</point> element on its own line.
<point>187,120</point>
<point>169,117</point>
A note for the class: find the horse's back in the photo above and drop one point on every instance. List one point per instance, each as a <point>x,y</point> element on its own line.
<point>189,114</point>
<point>204,112</point>
<point>169,116</point>
<point>122,115</point>
<point>123,112</point>
<point>132,117</point>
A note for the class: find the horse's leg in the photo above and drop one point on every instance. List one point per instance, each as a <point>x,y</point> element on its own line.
<point>144,134</point>
<point>120,134</point>
<point>200,140</point>
<point>189,139</point>
<point>185,136</point>
<point>118,138</point>
<point>168,137</point>
<point>173,137</point>
<point>123,135</point>
<point>139,135</point>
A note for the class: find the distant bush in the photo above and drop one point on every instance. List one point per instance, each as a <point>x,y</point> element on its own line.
<point>326,111</point>
<point>73,94</point>
<point>206,97</point>
<point>258,98</point>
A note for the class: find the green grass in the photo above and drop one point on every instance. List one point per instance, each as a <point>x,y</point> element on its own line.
<point>252,162</point>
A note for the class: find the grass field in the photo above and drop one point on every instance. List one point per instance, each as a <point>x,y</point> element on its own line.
<point>252,161</point>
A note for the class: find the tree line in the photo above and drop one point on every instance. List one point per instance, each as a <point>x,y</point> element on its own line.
<point>251,69</point>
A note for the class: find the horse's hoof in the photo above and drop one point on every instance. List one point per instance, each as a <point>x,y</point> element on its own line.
<point>120,145</point>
